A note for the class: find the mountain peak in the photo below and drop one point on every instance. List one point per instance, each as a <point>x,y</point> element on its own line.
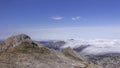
<point>14,41</point>
<point>21,52</point>
<point>17,39</point>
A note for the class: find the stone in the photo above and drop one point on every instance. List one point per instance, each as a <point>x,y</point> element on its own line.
<point>16,40</point>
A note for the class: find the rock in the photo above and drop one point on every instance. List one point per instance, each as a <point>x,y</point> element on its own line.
<point>16,40</point>
<point>21,52</point>
<point>72,54</point>
<point>110,60</point>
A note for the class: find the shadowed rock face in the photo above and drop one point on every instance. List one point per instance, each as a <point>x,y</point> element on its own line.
<point>21,52</point>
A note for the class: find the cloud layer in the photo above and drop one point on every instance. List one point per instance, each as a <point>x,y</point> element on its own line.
<point>96,46</point>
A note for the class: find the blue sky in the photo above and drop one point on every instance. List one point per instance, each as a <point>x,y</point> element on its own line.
<point>60,19</point>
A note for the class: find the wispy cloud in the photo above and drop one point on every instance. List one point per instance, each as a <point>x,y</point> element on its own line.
<point>57,18</point>
<point>77,18</point>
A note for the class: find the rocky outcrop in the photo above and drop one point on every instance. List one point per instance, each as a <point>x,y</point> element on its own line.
<point>110,60</point>
<point>72,54</point>
<point>21,52</point>
<point>16,40</point>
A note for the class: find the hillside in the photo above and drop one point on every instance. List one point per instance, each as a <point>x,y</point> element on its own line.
<point>21,52</point>
<point>102,52</point>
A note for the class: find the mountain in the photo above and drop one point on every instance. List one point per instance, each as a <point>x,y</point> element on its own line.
<point>104,53</point>
<point>21,52</point>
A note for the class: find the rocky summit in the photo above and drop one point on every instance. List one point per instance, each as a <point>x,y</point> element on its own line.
<point>16,40</point>
<point>21,52</point>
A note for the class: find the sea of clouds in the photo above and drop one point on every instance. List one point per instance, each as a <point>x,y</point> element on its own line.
<point>94,46</point>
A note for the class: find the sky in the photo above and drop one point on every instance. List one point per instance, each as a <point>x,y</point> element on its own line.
<point>60,19</point>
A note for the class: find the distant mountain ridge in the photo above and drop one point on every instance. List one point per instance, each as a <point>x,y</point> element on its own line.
<point>54,44</point>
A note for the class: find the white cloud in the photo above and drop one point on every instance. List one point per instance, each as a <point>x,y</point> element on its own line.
<point>77,18</point>
<point>57,18</point>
